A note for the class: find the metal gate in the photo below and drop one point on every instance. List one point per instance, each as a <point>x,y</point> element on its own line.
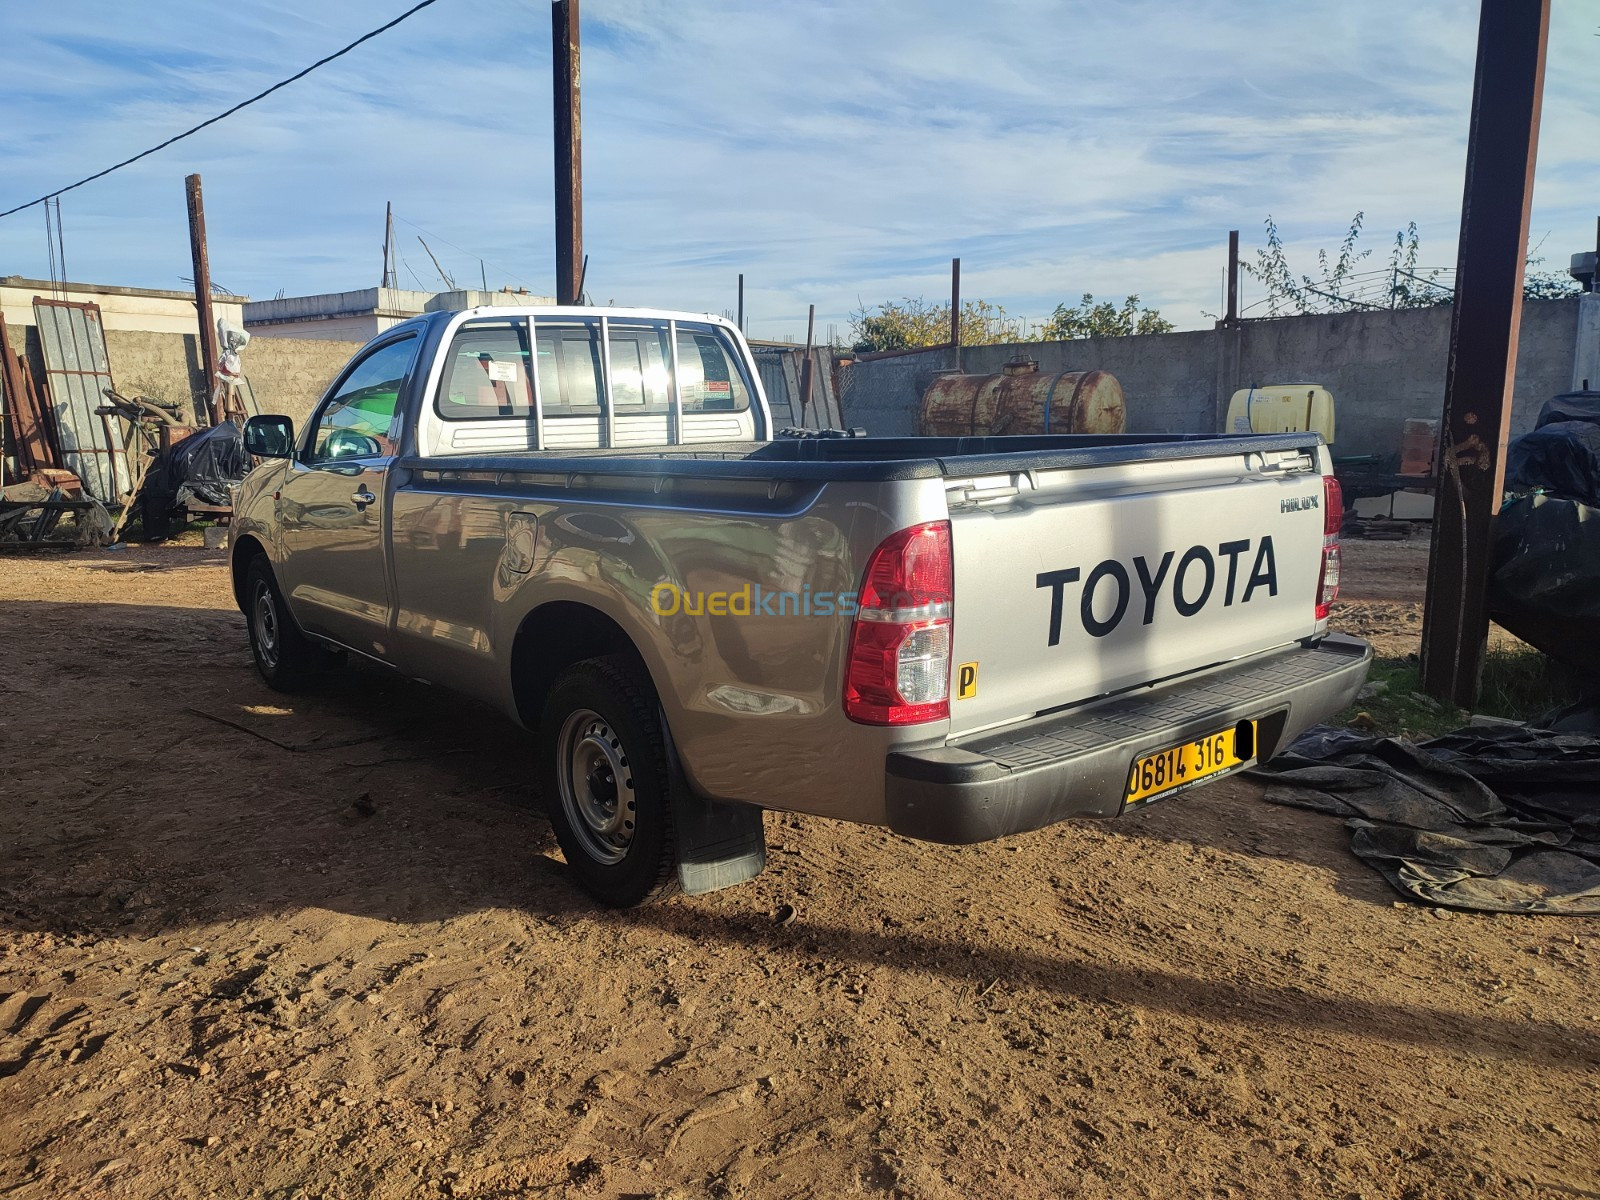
<point>78,371</point>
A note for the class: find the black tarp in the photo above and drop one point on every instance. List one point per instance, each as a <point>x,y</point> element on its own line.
<point>1544,572</point>
<point>207,462</point>
<point>1562,453</point>
<point>1498,818</point>
<point>201,466</point>
<point>1544,577</point>
<point>1570,406</point>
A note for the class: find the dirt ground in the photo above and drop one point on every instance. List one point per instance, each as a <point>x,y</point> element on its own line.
<point>1381,594</point>
<point>327,948</point>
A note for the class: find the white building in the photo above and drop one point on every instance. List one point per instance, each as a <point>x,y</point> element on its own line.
<point>360,315</point>
<point>139,310</point>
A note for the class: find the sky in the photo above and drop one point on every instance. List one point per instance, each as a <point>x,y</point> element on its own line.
<point>837,154</point>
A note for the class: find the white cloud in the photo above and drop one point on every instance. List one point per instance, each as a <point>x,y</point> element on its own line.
<point>829,150</point>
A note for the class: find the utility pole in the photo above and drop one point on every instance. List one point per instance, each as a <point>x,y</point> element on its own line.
<point>955,313</point>
<point>741,301</point>
<point>1233,278</point>
<point>569,152</point>
<point>202,296</point>
<point>1502,141</point>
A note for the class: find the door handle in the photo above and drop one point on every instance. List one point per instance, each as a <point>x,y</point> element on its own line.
<point>363,498</point>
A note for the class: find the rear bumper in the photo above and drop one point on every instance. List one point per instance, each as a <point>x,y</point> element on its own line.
<point>1076,764</point>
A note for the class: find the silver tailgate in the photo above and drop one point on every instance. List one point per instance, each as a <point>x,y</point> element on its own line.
<point>1065,580</point>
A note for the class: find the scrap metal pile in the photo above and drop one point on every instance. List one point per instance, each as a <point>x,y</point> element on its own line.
<point>75,450</point>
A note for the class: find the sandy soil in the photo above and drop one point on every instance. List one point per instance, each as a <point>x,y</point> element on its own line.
<point>346,962</point>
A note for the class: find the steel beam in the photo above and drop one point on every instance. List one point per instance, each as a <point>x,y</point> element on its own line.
<point>955,313</point>
<point>1233,277</point>
<point>1501,145</point>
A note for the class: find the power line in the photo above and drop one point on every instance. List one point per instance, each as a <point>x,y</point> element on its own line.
<point>366,37</point>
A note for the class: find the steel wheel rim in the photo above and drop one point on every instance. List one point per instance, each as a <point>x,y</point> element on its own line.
<point>597,793</point>
<point>266,623</point>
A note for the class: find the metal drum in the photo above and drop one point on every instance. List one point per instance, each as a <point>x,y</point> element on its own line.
<point>1020,400</point>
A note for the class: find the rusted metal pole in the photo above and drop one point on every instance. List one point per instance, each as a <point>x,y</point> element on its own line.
<point>1233,277</point>
<point>741,302</point>
<point>202,296</point>
<point>1501,145</point>
<point>805,364</point>
<point>955,313</point>
<point>32,449</point>
<point>569,152</point>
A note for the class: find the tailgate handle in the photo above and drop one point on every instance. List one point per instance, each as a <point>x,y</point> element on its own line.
<point>966,494</point>
<point>1287,461</point>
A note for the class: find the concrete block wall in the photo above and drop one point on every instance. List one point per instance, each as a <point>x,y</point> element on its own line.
<point>1386,367</point>
<point>1382,367</point>
<point>163,366</point>
<point>288,375</point>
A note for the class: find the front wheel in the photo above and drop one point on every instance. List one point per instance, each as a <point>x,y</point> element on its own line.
<point>608,781</point>
<point>286,659</point>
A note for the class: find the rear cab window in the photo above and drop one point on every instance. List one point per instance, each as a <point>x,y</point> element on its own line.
<point>491,366</point>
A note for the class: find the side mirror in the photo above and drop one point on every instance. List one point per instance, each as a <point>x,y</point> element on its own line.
<point>269,437</point>
<point>348,443</point>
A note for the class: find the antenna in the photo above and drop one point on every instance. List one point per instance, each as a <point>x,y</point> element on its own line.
<point>388,244</point>
<point>448,282</point>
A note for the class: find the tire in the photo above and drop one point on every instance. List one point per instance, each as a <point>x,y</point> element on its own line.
<point>608,781</point>
<point>286,659</point>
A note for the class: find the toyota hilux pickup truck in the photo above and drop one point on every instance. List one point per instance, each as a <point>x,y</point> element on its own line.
<point>583,517</point>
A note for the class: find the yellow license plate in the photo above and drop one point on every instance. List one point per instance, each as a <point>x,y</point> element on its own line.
<point>1191,763</point>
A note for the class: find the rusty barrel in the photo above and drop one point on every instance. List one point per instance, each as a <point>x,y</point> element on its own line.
<point>1022,400</point>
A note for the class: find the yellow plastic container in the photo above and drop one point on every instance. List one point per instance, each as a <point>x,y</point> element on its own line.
<point>1282,408</point>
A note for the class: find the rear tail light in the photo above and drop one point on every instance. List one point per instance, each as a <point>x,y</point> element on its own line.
<point>898,670</point>
<point>1332,519</point>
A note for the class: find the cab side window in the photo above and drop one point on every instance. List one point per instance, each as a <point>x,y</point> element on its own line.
<point>358,420</point>
<point>486,374</point>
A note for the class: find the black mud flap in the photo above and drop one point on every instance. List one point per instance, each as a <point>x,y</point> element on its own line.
<point>719,844</point>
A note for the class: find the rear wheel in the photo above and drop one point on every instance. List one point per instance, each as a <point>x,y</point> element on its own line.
<point>286,659</point>
<point>608,781</point>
